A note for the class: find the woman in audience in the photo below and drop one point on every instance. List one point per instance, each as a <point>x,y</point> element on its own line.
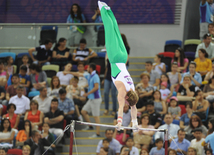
<point>164,78</point>
<point>200,105</point>
<point>34,115</point>
<point>6,133</point>
<point>3,74</point>
<point>55,87</point>
<point>132,148</point>
<point>25,134</point>
<point>38,77</point>
<point>181,60</point>
<point>9,66</point>
<point>172,152</point>
<point>64,76</point>
<point>210,126</point>
<point>185,118</point>
<point>191,151</point>
<point>144,152</point>
<point>159,104</point>
<point>209,92</point>
<point>195,122</point>
<point>143,137</point>
<point>174,77</point>
<point>124,150</point>
<point>47,135</point>
<point>210,74</point>
<point>14,118</point>
<point>26,150</point>
<point>76,32</point>
<point>203,64</point>
<point>60,53</point>
<point>159,66</point>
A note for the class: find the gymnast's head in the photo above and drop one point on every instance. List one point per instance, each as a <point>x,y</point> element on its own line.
<point>132,97</point>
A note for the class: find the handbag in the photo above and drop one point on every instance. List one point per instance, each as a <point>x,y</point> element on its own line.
<point>142,139</point>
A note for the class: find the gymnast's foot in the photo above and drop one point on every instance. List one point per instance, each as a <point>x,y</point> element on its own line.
<point>101,4</point>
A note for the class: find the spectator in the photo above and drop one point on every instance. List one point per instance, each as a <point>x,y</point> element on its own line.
<point>210,74</point>
<point>159,104</point>
<point>122,135</point>
<point>43,100</point>
<point>127,48</point>
<point>196,143</point>
<point>196,79</point>
<point>60,53</point>
<point>206,45</point>
<point>13,118</point>
<point>106,148</point>
<point>34,115</point>
<point>26,150</point>
<point>155,117</point>
<point>25,62</point>
<point>200,105</point>
<point>209,92</point>
<point>63,76</point>
<point>211,126</point>
<point>209,139</point>
<point>66,105</point>
<point>24,78</point>
<point>191,151</point>
<point>54,88</point>
<point>3,74</point>
<point>174,77</point>
<point>211,26</point>
<point>3,151</point>
<point>2,96</point>
<point>154,79</point>
<point>76,92</point>
<point>24,134</point>
<point>83,82</point>
<point>172,128</point>
<point>55,118</point>
<point>174,109</point>
<point>181,60</point>
<point>180,144</point>
<point>38,77</point>
<point>47,135</point>
<point>143,137</point>
<point>76,32</point>
<point>36,143</point>
<point>44,53</point>
<point>165,92</point>
<point>144,152</point>
<point>158,149</point>
<point>195,122</point>
<point>132,148</point>
<point>185,118</point>
<point>82,53</point>
<point>108,84</point>
<point>6,133</point>
<point>208,151</point>
<point>94,96</point>
<point>9,67</point>
<point>124,150</point>
<point>203,64</point>
<point>159,66</point>
<point>172,152</point>
<point>164,78</point>
<point>113,143</point>
<point>144,91</point>
<point>22,102</point>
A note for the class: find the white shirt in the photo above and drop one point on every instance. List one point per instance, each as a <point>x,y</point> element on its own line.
<point>198,146</point>
<point>44,105</point>
<point>209,49</point>
<point>157,69</point>
<point>82,80</point>
<point>134,151</point>
<point>22,104</point>
<point>64,79</point>
<point>164,93</point>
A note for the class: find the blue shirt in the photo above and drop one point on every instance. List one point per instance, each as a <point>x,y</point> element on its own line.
<point>185,119</point>
<point>71,20</point>
<point>24,79</point>
<point>205,13</point>
<point>155,151</point>
<point>98,20</point>
<point>197,77</point>
<point>114,145</point>
<point>92,79</point>
<point>184,145</point>
<point>66,105</point>
<point>210,139</point>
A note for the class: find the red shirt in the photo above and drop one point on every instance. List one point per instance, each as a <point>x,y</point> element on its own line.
<point>34,118</point>
<point>13,120</point>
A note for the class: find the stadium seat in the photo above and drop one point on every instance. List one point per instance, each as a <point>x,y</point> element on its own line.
<point>173,122</point>
<point>50,70</point>
<point>97,69</point>
<point>20,55</point>
<point>167,59</point>
<point>48,32</point>
<point>167,54</point>
<point>4,110</point>
<point>7,54</point>
<point>99,61</point>
<point>14,151</point>
<point>33,93</point>
<point>101,54</point>
<point>183,109</point>
<point>172,45</point>
<point>207,113</point>
<point>190,56</point>
<point>190,45</point>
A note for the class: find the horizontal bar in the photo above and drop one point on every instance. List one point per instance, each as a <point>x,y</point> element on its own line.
<point>54,24</point>
<point>113,126</point>
<point>26,48</point>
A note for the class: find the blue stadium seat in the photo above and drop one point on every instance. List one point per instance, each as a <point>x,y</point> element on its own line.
<point>101,54</point>
<point>172,45</point>
<point>178,42</point>
<point>7,54</point>
<point>20,55</point>
<point>190,56</point>
<point>33,93</point>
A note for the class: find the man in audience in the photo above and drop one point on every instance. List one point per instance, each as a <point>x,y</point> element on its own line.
<point>180,144</point>
<point>195,76</point>
<point>83,82</point>
<point>210,29</point>
<point>172,128</point>
<point>43,100</point>
<point>44,53</point>
<point>154,76</point>
<point>83,54</point>
<point>94,96</point>
<point>22,102</point>
<point>55,119</point>
<point>155,118</point>
<point>114,144</point>
<point>207,45</point>
<point>196,143</point>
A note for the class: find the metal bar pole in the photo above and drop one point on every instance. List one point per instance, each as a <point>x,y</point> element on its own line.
<point>71,136</point>
<point>166,141</point>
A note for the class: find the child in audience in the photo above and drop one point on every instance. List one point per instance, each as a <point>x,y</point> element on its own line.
<point>172,152</point>
<point>3,74</point>
<point>24,77</point>
<point>9,65</point>
<point>132,148</point>
<point>144,151</point>
<point>47,135</point>
<point>192,151</point>
<point>197,142</point>
<point>103,151</point>
<point>174,109</point>
<point>26,150</point>
<point>208,152</point>
<point>159,66</point>
<point>106,147</point>
<point>174,77</point>
<point>165,92</point>
<point>165,78</point>
<point>25,60</point>
<point>3,151</point>
<point>158,150</point>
